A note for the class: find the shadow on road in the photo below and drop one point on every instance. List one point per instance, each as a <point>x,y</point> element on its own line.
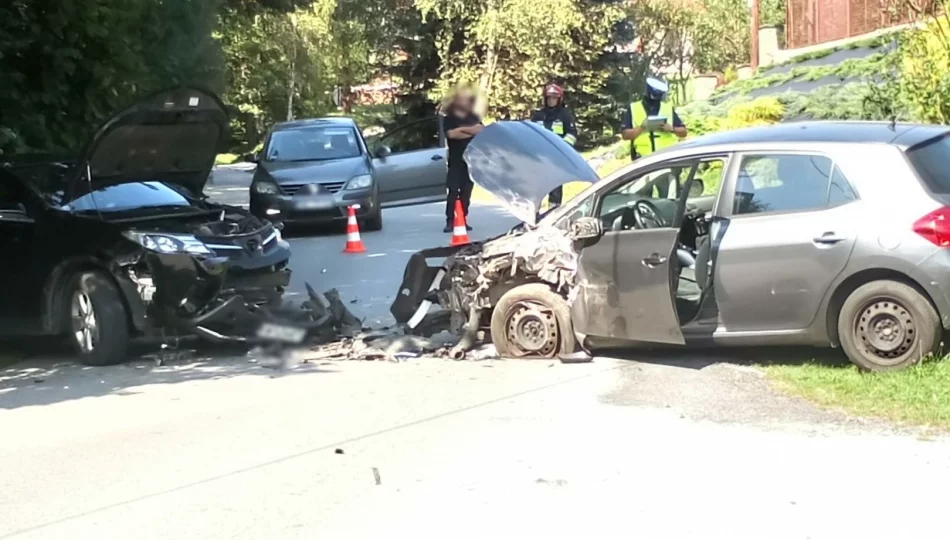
<point>743,356</point>
<point>33,373</point>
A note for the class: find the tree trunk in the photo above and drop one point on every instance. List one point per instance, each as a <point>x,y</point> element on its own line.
<point>290,87</point>
<point>485,79</point>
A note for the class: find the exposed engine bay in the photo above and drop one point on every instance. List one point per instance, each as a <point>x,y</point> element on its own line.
<point>473,277</point>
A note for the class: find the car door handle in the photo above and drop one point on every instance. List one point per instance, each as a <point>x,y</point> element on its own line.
<point>828,238</point>
<point>654,260</point>
<point>436,158</point>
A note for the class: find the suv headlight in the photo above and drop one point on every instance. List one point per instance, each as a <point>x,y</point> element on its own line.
<point>362,181</point>
<point>168,243</point>
<point>269,188</point>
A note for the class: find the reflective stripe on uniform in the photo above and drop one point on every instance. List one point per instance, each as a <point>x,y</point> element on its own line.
<point>558,127</point>
<point>647,143</point>
<point>570,139</point>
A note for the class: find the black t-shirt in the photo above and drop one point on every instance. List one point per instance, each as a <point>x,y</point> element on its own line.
<point>457,146</point>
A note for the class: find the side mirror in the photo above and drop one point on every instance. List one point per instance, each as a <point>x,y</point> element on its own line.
<point>586,228</point>
<point>697,188</point>
<point>383,152</point>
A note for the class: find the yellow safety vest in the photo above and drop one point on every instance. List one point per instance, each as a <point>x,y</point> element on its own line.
<point>557,127</point>
<point>661,139</point>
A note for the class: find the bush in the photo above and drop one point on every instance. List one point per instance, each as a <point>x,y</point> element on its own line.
<point>924,81</point>
<point>740,113</point>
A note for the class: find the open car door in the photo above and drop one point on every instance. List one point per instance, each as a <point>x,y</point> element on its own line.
<point>627,277</point>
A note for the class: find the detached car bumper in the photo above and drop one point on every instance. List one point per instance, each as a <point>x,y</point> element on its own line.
<point>314,208</point>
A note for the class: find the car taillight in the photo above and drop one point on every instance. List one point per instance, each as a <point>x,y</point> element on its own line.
<point>935,227</point>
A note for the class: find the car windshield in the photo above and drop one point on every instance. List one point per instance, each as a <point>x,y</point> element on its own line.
<point>930,161</point>
<point>313,144</point>
<point>130,196</point>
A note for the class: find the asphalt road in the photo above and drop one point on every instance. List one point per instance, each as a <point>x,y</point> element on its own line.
<point>676,446</point>
<point>369,280</point>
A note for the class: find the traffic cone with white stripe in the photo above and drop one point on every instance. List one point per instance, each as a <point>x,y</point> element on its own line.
<point>353,242</point>
<point>459,230</point>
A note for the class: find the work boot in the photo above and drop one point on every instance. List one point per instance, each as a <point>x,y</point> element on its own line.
<point>448,227</point>
<point>467,226</point>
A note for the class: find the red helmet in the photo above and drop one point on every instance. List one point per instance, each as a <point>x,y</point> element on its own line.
<point>553,90</point>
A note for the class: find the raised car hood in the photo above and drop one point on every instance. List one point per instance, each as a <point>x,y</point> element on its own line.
<point>172,136</point>
<point>521,162</point>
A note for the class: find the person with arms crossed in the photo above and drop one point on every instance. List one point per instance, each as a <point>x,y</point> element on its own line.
<point>460,124</point>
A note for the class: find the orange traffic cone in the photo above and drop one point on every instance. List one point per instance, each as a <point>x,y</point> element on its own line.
<point>459,230</point>
<point>353,242</point>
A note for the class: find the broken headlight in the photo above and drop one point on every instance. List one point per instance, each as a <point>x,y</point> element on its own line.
<point>168,243</point>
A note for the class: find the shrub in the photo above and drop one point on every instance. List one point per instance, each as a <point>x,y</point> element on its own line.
<point>924,82</point>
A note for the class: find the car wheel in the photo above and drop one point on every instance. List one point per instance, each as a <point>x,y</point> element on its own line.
<point>98,324</point>
<point>532,321</point>
<point>374,223</point>
<point>887,325</point>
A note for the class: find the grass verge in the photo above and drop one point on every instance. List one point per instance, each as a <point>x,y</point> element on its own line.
<point>918,395</point>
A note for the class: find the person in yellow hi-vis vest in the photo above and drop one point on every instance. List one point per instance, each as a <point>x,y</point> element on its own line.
<point>640,119</point>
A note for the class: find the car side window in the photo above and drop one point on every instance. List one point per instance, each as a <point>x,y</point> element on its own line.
<point>422,135</point>
<point>787,183</point>
<point>647,201</point>
<point>839,191</point>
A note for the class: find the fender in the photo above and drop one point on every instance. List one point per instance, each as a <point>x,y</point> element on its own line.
<point>870,268</point>
<point>54,302</point>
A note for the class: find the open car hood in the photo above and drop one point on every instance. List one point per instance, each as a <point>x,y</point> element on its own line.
<point>172,136</point>
<point>521,162</point>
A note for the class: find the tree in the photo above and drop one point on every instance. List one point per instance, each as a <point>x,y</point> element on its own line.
<point>67,66</point>
<point>680,37</point>
<point>277,65</point>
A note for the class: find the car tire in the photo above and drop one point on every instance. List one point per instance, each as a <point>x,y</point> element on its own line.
<point>374,223</point>
<point>532,321</point>
<point>96,319</point>
<point>888,325</point>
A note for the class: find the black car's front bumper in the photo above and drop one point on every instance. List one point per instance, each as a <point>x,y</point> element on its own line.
<point>205,295</point>
<point>322,207</point>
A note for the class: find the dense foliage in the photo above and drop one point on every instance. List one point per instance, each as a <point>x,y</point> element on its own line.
<point>69,64</point>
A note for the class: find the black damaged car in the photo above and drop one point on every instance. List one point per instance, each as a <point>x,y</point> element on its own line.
<point>121,243</point>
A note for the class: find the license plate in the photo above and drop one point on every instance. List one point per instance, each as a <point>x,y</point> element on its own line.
<point>316,204</point>
<point>281,332</point>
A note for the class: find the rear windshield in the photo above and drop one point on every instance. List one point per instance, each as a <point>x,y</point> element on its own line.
<point>932,161</point>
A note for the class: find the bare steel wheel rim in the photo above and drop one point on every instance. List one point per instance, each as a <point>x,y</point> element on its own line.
<point>887,330</point>
<point>84,325</point>
<point>532,329</point>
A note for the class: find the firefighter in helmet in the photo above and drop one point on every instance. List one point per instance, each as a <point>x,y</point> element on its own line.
<point>555,116</point>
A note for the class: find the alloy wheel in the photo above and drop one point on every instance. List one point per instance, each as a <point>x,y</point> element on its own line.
<point>84,325</point>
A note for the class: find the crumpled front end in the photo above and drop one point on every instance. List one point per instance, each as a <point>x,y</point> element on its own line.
<point>473,277</point>
<point>182,294</point>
